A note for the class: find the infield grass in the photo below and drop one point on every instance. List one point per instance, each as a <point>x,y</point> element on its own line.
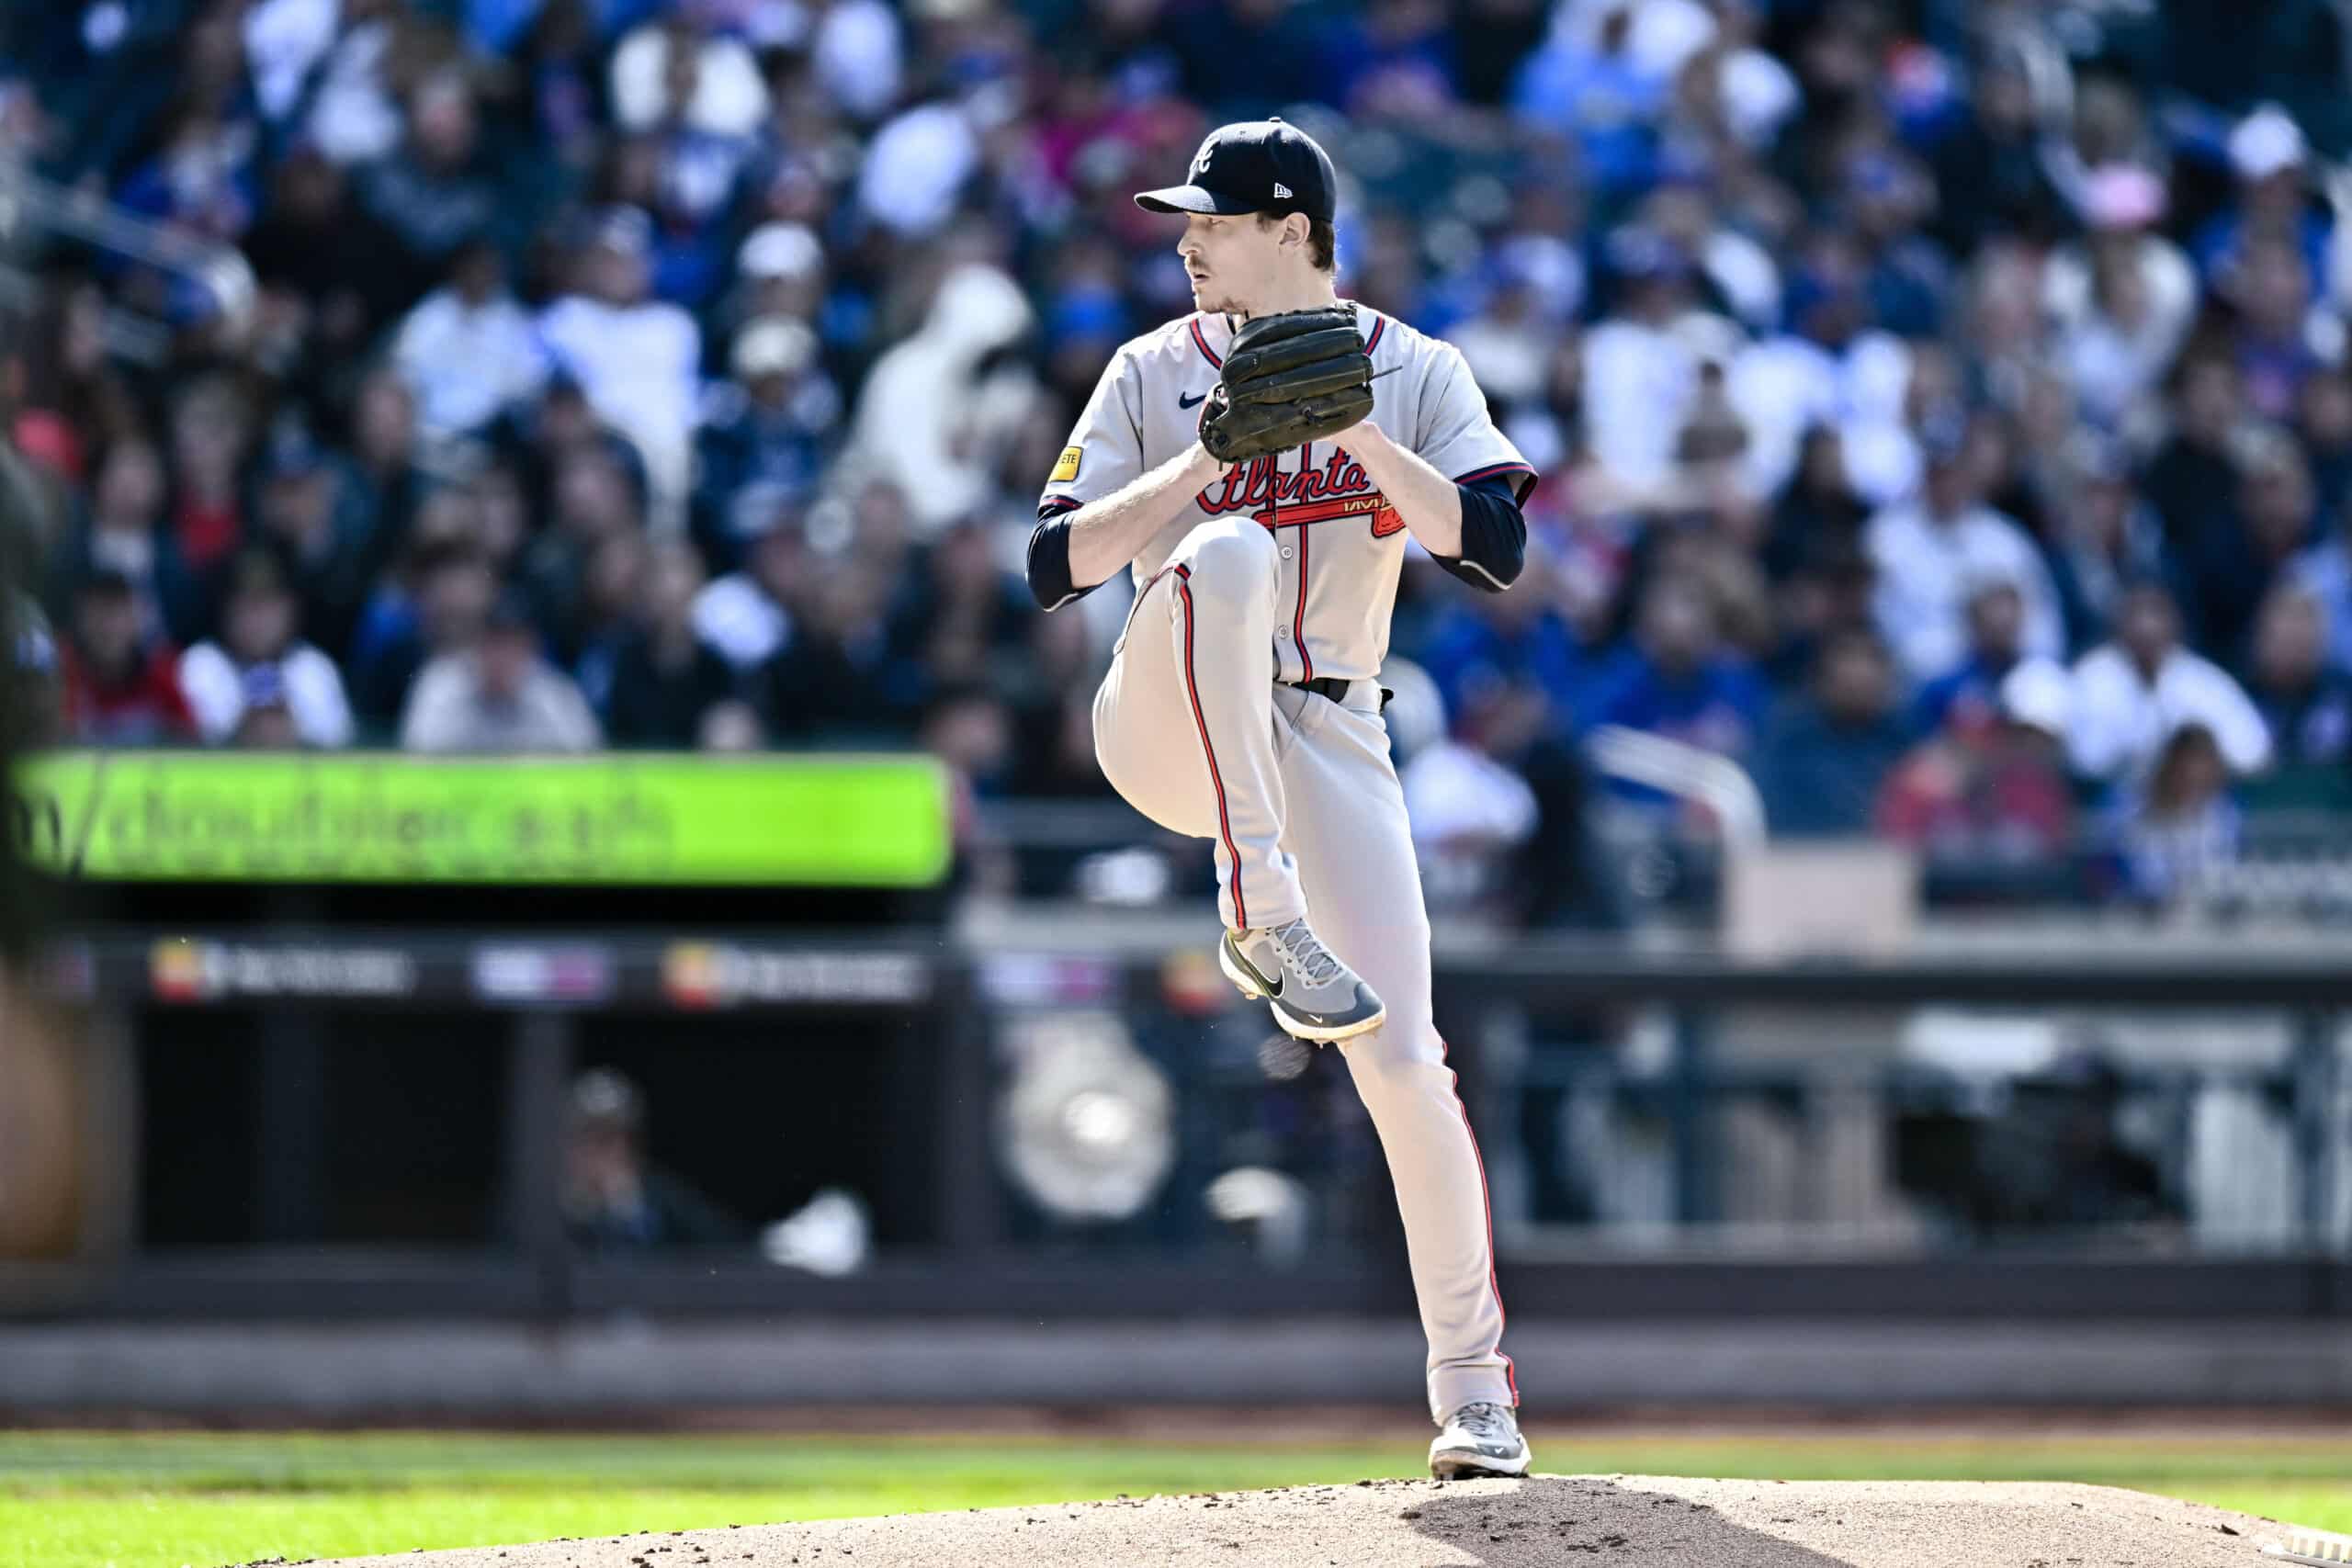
<point>162,1500</point>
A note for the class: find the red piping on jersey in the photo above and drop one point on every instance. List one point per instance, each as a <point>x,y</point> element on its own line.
<point>1491,469</point>
<point>1225,825</point>
<point>1306,461</point>
<point>1298,617</point>
<point>1510,1371</point>
<point>1203,345</point>
<point>1053,504</point>
<point>1369,503</point>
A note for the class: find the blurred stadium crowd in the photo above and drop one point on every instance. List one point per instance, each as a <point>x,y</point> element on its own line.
<point>1942,406</point>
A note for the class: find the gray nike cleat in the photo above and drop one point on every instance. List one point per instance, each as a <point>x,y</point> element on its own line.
<point>1315,996</point>
<point>1480,1439</point>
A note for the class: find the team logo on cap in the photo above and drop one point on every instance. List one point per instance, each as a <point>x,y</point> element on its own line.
<point>1200,163</point>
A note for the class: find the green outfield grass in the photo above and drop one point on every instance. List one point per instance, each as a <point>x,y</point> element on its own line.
<point>160,1500</point>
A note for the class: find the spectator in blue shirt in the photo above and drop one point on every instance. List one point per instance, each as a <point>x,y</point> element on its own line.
<point>1493,640</point>
<point>2307,706</point>
<point>1885,199</point>
<point>1587,81</point>
<point>440,189</point>
<point>1970,696</point>
<point>1823,762</point>
<point>2324,429</point>
<point>2269,153</point>
<point>764,436</point>
<point>1680,682</point>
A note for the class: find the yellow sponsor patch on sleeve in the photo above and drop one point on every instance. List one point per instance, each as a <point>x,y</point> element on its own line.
<point>1067,470</point>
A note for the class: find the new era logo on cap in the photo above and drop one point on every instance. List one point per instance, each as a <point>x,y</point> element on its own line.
<point>1282,191</point>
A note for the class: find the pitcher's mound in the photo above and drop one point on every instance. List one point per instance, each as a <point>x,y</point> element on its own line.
<point>1587,1522</point>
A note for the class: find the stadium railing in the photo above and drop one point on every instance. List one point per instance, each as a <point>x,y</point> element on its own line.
<point>968,1237</point>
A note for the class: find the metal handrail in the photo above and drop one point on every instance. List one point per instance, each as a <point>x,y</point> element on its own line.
<point>1674,766</point>
<point>1690,772</point>
<point>29,204</point>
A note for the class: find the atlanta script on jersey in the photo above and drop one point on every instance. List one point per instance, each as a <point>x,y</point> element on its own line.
<point>1342,544</point>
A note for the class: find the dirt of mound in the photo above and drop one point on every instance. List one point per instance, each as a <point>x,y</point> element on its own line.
<point>1618,1521</point>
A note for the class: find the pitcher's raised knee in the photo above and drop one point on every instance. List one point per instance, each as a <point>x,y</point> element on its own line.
<point>1231,559</point>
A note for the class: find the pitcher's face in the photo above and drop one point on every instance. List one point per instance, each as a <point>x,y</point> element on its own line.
<point>1233,260</point>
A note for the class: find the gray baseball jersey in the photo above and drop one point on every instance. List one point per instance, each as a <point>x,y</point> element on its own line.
<point>1342,546</point>
<point>1286,571</point>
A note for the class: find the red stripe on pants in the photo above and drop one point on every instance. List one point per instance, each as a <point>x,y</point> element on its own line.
<point>1192,690</point>
<point>1502,1318</point>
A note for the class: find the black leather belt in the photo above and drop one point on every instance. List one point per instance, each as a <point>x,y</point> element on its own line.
<point>1333,687</point>
<point>1329,686</point>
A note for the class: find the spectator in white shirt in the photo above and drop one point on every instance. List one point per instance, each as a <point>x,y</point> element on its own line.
<point>2121,206</point>
<point>2130,694</point>
<point>916,167</point>
<point>727,95</point>
<point>1640,369</point>
<point>940,408</point>
<point>859,56</point>
<point>2178,826</point>
<point>1471,810</point>
<point>2116,350</point>
<point>2123,300</point>
<point>258,665</point>
<point>1832,369</point>
<point>468,351</point>
<point>1932,553</point>
<point>1741,270</point>
<point>1508,343</point>
<point>499,696</point>
<point>1538,288</point>
<point>638,360</point>
<point>781,268</point>
<point>746,616</point>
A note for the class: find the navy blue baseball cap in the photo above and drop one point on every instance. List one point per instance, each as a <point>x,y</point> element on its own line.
<point>1254,165</point>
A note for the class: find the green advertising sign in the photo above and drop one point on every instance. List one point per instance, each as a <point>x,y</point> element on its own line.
<point>635,819</point>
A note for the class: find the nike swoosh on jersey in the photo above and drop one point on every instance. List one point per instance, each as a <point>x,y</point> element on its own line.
<point>1184,403</point>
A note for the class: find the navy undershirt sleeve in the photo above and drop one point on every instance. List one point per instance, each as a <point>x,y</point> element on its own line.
<point>1049,559</point>
<point>1493,534</point>
<point>1493,543</point>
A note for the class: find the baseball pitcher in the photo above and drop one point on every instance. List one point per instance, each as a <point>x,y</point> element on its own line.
<point>1256,466</point>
